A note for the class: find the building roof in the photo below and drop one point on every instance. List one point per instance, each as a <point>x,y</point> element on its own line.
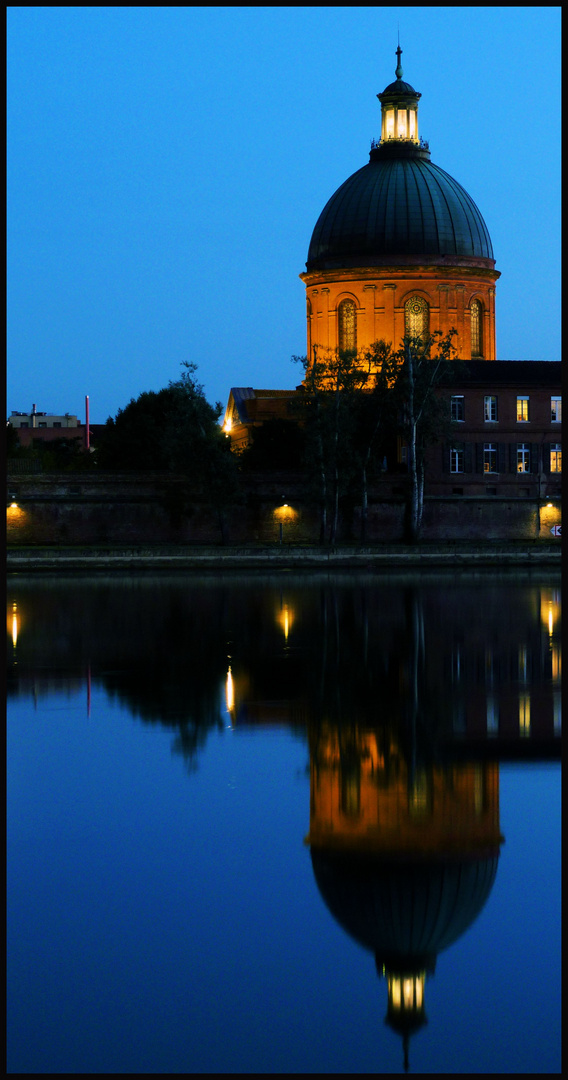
<point>544,374</point>
<point>399,87</point>
<point>399,204</point>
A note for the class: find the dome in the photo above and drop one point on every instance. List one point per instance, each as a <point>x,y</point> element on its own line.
<point>399,205</point>
<point>399,87</point>
<point>404,912</point>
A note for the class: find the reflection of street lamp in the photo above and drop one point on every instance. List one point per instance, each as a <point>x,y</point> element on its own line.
<point>230,694</point>
<point>14,624</point>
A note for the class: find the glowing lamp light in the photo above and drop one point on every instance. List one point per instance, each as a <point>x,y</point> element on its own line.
<point>550,611</point>
<point>285,620</point>
<point>406,992</point>
<point>230,692</point>
<point>14,623</point>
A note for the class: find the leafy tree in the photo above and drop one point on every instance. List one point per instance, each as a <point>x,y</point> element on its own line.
<point>375,415</point>
<point>353,402</point>
<point>174,430</point>
<point>333,380</point>
<point>12,441</point>
<point>423,363</point>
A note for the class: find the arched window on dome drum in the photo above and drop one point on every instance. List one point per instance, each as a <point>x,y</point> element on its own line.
<point>309,322</point>
<point>347,325</point>
<point>476,329</point>
<point>416,317</point>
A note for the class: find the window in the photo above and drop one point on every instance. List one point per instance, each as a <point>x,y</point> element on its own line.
<point>347,325</point>
<point>57,423</point>
<point>42,423</point>
<point>490,407</point>
<point>476,329</point>
<point>416,317</point>
<point>456,459</point>
<point>24,424</point>
<point>489,458</point>
<point>457,407</point>
<point>556,409</point>
<point>522,409</point>
<point>556,457</point>
<point>523,457</point>
<point>524,714</point>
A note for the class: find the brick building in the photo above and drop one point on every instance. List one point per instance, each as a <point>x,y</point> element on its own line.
<point>401,249</point>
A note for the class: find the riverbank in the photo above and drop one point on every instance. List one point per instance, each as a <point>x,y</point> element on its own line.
<point>282,556</point>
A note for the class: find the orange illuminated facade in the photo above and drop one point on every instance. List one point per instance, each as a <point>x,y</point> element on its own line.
<point>380,298</point>
<point>366,798</point>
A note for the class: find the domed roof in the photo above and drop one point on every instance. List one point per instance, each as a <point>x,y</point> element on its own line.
<point>399,204</point>
<point>399,87</point>
<point>405,912</point>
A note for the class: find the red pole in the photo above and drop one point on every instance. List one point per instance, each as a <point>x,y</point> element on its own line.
<point>87,420</point>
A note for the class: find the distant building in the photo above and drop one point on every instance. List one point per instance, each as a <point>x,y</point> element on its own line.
<point>40,420</point>
<point>35,427</point>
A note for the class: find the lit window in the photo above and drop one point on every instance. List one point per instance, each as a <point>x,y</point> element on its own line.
<point>476,332</point>
<point>401,118</point>
<point>416,317</point>
<point>556,409</point>
<point>457,407</point>
<point>523,457</point>
<point>418,793</point>
<point>490,407</point>
<point>556,457</point>
<point>456,459</point>
<point>522,409</point>
<point>489,458</point>
<point>347,325</point>
<point>390,124</point>
<point>524,714</point>
<point>351,792</point>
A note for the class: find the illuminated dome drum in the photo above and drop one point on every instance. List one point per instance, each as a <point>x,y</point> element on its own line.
<point>400,248</point>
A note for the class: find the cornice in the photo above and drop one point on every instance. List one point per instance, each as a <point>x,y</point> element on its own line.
<point>443,271</point>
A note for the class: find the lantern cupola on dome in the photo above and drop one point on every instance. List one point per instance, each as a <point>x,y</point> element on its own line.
<point>399,108</point>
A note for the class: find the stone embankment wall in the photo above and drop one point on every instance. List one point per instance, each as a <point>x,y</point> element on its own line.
<point>156,509</point>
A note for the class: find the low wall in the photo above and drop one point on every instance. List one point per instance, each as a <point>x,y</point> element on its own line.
<point>153,509</point>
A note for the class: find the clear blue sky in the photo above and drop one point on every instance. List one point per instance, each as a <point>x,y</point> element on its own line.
<point>161,160</point>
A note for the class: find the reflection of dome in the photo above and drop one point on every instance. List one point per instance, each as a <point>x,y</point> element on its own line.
<point>405,912</point>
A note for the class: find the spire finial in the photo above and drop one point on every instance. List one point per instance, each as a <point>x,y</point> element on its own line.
<point>398,71</point>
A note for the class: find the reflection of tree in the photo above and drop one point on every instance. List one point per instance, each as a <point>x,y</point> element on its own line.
<point>337,650</point>
<point>158,648</point>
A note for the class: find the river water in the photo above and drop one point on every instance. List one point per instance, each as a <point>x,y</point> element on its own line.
<point>286,823</point>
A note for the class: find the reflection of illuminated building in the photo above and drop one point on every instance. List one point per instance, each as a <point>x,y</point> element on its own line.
<point>404,858</point>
